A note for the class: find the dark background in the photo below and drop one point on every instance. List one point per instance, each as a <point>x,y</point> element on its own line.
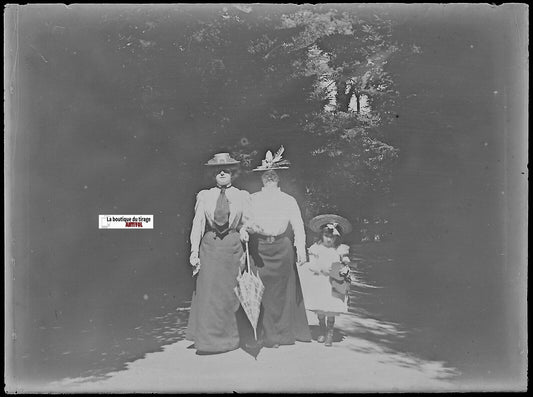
<point>78,147</point>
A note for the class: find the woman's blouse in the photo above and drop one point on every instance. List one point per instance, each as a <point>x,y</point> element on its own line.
<point>273,210</point>
<point>204,210</point>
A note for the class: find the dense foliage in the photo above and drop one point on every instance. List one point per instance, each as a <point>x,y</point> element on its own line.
<point>313,79</point>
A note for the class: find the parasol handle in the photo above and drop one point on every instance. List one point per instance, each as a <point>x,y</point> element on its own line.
<point>247,258</point>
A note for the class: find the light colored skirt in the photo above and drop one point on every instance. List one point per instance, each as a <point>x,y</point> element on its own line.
<point>317,294</point>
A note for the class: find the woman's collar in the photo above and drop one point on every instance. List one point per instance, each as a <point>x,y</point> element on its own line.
<point>270,189</point>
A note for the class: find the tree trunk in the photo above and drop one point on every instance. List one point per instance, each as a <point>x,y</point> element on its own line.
<point>358,103</point>
<point>343,99</point>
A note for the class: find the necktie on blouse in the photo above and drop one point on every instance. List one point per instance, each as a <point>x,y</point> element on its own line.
<point>221,215</point>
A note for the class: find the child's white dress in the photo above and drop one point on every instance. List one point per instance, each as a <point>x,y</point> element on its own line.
<point>316,288</point>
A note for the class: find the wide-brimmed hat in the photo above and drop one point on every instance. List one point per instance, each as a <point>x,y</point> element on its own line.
<point>273,162</point>
<point>222,159</point>
<point>334,222</point>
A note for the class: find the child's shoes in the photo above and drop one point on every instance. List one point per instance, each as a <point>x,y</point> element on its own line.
<point>322,327</point>
<point>329,338</point>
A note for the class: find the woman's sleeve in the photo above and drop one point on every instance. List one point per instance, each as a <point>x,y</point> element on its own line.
<point>198,223</point>
<point>297,226</point>
<point>246,220</point>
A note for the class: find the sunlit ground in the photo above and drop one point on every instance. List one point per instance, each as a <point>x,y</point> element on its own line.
<point>368,354</point>
<point>359,360</point>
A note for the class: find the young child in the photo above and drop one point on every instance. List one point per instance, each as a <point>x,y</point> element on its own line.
<point>320,296</point>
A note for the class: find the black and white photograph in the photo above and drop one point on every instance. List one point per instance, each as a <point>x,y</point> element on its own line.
<point>265,198</point>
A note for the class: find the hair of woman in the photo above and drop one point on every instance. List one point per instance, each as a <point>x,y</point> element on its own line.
<point>270,176</point>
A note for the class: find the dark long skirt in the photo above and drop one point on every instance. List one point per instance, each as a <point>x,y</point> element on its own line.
<point>212,320</point>
<point>283,318</point>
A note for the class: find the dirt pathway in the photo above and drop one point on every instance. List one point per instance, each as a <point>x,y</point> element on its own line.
<point>353,364</point>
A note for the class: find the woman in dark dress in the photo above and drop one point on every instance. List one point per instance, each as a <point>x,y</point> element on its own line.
<point>217,256</point>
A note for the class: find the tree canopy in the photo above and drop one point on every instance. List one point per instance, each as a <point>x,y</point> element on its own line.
<point>311,78</point>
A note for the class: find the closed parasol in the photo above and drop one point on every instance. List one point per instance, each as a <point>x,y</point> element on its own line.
<point>250,290</point>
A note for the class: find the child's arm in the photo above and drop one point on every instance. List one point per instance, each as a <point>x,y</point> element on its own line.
<point>344,251</point>
<point>313,259</point>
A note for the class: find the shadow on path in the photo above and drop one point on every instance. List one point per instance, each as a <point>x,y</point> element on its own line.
<point>158,332</point>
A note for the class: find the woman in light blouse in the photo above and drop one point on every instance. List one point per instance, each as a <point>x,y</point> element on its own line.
<point>216,257</point>
<point>283,320</point>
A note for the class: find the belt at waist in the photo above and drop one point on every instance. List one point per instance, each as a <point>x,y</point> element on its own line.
<point>270,239</point>
<point>220,232</point>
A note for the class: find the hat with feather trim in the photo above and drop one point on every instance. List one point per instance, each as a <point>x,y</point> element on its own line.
<point>273,162</point>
